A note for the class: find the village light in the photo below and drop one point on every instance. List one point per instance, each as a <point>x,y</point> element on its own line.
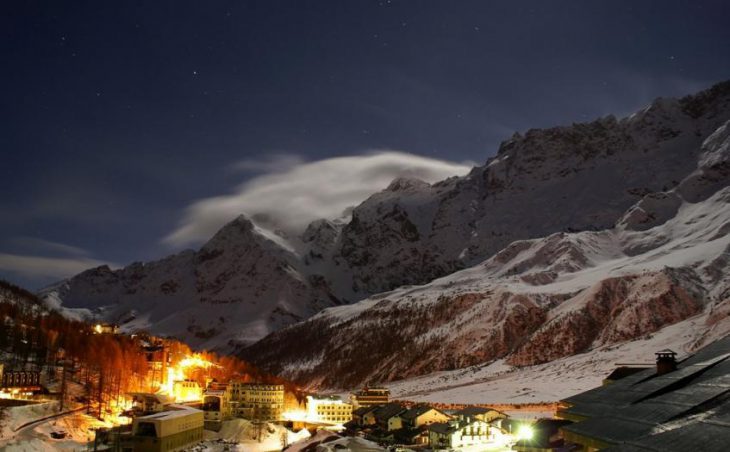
<point>525,432</point>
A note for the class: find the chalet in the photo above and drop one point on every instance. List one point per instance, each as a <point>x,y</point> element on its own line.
<point>474,413</point>
<point>416,417</point>
<point>457,434</point>
<point>411,436</point>
<point>359,415</point>
<point>381,416</point>
<point>677,406</point>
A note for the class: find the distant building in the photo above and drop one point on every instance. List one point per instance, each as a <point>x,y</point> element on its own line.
<point>360,415</point>
<point>370,397</point>
<point>176,429</point>
<point>416,417</point>
<point>256,401</point>
<point>473,413</point>
<point>382,416</point>
<point>144,403</point>
<point>215,408</point>
<point>457,434</point>
<point>328,410</point>
<point>187,391</point>
<point>19,383</point>
<point>677,406</point>
<point>106,328</point>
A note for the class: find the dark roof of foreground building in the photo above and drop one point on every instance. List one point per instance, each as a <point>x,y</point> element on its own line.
<point>648,410</point>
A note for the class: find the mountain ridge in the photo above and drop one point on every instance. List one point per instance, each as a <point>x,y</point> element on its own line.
<point>413,232</point>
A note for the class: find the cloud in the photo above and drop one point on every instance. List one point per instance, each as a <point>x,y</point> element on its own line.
<point>35,245</point>
<point>271,164</point>
<point>38,267</point>
<point>293,196</point>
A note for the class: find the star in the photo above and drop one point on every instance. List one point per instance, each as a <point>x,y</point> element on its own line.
<point>195,72</point>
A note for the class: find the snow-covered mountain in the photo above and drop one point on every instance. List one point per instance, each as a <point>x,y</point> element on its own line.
<point>241,285</point>
<point>247,282</point>
<point>666,261</point>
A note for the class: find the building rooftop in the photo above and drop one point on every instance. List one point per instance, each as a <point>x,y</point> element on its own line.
<point>174,412</point>
<point>638,408</point>
<point>384,412</point>
<point>363,410</point>
<point>474,411</point>
<point>416,411</point>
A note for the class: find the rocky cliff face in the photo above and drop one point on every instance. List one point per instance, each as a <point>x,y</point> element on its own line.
<point>247,282</point>
<point>666,261</point>
<point>572,178</point>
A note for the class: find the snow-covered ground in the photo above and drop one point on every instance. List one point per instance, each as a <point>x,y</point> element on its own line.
<point>78,427</point>
<point>241,435</point>
<point>329,442</point>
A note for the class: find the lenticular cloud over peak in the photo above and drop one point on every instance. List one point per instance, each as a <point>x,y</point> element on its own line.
<point>297,194</point>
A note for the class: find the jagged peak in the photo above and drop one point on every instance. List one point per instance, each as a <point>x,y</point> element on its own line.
<point>696,105</point>
<point>404,183</point>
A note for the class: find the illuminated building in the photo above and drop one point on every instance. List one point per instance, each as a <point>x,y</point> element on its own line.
<point>370,397</point>
<point>256,401</point>
<point>187,391</point>
<point>328,410</point>
<point>458,434</point>
<point>175,429</point>
<point>18,384</point>
<point>144,403</point>
<point>106,328</point>
<point>471,413</point>
<point>416,417</point>
<point>216,406</point>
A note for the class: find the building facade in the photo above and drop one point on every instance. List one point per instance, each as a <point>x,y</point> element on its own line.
<point>330,410</point>
<point>173,430</point>
<point>256,401</point>
<point>457,434</point>
<point>370,397</point>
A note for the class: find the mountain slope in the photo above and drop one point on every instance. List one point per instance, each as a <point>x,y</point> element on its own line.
<point>247,282</point>
<point>537,300</point>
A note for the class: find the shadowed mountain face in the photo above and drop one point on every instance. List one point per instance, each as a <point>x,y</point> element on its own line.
<point>247,282</point>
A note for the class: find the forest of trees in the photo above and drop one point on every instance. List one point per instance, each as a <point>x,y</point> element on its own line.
<point>108,366</point>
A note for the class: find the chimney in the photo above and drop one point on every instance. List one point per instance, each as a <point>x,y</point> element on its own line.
<point>665,362</point>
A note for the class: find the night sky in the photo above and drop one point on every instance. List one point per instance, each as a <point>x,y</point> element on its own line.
<point>117,116</point>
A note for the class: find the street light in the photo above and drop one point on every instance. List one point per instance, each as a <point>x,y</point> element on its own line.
<point>525,432</point>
